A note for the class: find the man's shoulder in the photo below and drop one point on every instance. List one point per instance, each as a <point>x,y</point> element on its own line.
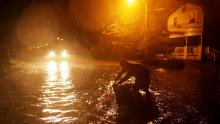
<point>136,64</point>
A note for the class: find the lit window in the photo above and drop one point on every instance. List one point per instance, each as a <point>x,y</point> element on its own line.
<point>175,21</point>
<point>192,18</point>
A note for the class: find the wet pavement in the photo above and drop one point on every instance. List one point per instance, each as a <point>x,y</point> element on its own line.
<point>63,92</point>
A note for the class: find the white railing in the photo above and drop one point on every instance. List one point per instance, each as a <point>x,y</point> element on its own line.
<point>212,54</point>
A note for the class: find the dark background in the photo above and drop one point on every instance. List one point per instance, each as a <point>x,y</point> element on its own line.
<point>10,11</point>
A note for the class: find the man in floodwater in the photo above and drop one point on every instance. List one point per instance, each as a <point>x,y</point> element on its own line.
<point>138,71</point>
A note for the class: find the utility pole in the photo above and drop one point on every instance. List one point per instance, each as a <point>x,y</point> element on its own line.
<point>146,25</point>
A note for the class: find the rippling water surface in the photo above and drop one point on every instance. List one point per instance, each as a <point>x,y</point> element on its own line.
<point>76,95</point>
<point>60,92</point>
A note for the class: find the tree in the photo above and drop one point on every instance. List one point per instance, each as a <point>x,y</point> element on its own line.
<point>123,32</point>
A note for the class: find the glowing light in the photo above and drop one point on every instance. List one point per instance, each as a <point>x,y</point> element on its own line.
<point>52,71</point>
<point>52,54</point>
<point>64,54</point>
<point>64,68</point>
<point>130,2</point>
<point>161,70</point>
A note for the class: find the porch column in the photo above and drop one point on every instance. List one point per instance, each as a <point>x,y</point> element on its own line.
<point>200,50</point>
<point>185,49</point>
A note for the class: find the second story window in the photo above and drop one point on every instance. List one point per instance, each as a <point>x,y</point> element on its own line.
<point>184,9</point>
<point>192,18</point>
<point>175,21</point>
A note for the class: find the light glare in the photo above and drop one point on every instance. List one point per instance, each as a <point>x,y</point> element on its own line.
<point>130,2</point>
<point>52,54</point>
<point>64,54</point>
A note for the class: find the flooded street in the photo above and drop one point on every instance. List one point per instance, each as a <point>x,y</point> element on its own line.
<point>109,62</point>
<point>64,93</point>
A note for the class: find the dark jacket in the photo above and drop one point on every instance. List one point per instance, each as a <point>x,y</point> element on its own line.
<point>139,71</point>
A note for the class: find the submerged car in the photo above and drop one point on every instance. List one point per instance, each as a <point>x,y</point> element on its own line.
<point>58,55</point>
<point>165,61</point>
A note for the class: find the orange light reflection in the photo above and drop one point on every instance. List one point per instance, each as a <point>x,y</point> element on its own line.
<point>58,95</point>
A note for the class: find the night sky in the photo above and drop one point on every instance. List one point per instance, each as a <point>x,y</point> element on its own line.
<point>92,15</point>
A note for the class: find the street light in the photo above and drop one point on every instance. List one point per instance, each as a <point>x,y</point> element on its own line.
<point>146,14</point>
<point>146,21</point>
<point>130,2</point>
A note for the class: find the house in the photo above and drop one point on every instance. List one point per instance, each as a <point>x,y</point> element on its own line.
<point>185,27</point>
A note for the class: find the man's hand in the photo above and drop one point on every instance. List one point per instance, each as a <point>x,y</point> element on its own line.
<point>116,82</point>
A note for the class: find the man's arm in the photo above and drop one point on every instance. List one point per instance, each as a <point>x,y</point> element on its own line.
<point>122,80</point>
<point>119,75</point>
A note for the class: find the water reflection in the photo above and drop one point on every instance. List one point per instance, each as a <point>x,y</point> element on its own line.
<point>52,71</point>
<point>64,69</point>
<point>58,94</point>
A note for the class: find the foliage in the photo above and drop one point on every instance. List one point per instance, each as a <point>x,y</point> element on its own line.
<point>126,30</point>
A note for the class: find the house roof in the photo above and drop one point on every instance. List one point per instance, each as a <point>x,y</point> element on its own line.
<point>178,6</point>
<point>168,6</point>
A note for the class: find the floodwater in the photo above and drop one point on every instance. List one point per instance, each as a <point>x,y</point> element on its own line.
<point>64,93</point>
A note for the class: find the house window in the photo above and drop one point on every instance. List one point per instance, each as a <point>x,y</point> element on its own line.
<point>194,40</point>
<point>192,18</point>
<point>175,21</point>
<point>184,9</point>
